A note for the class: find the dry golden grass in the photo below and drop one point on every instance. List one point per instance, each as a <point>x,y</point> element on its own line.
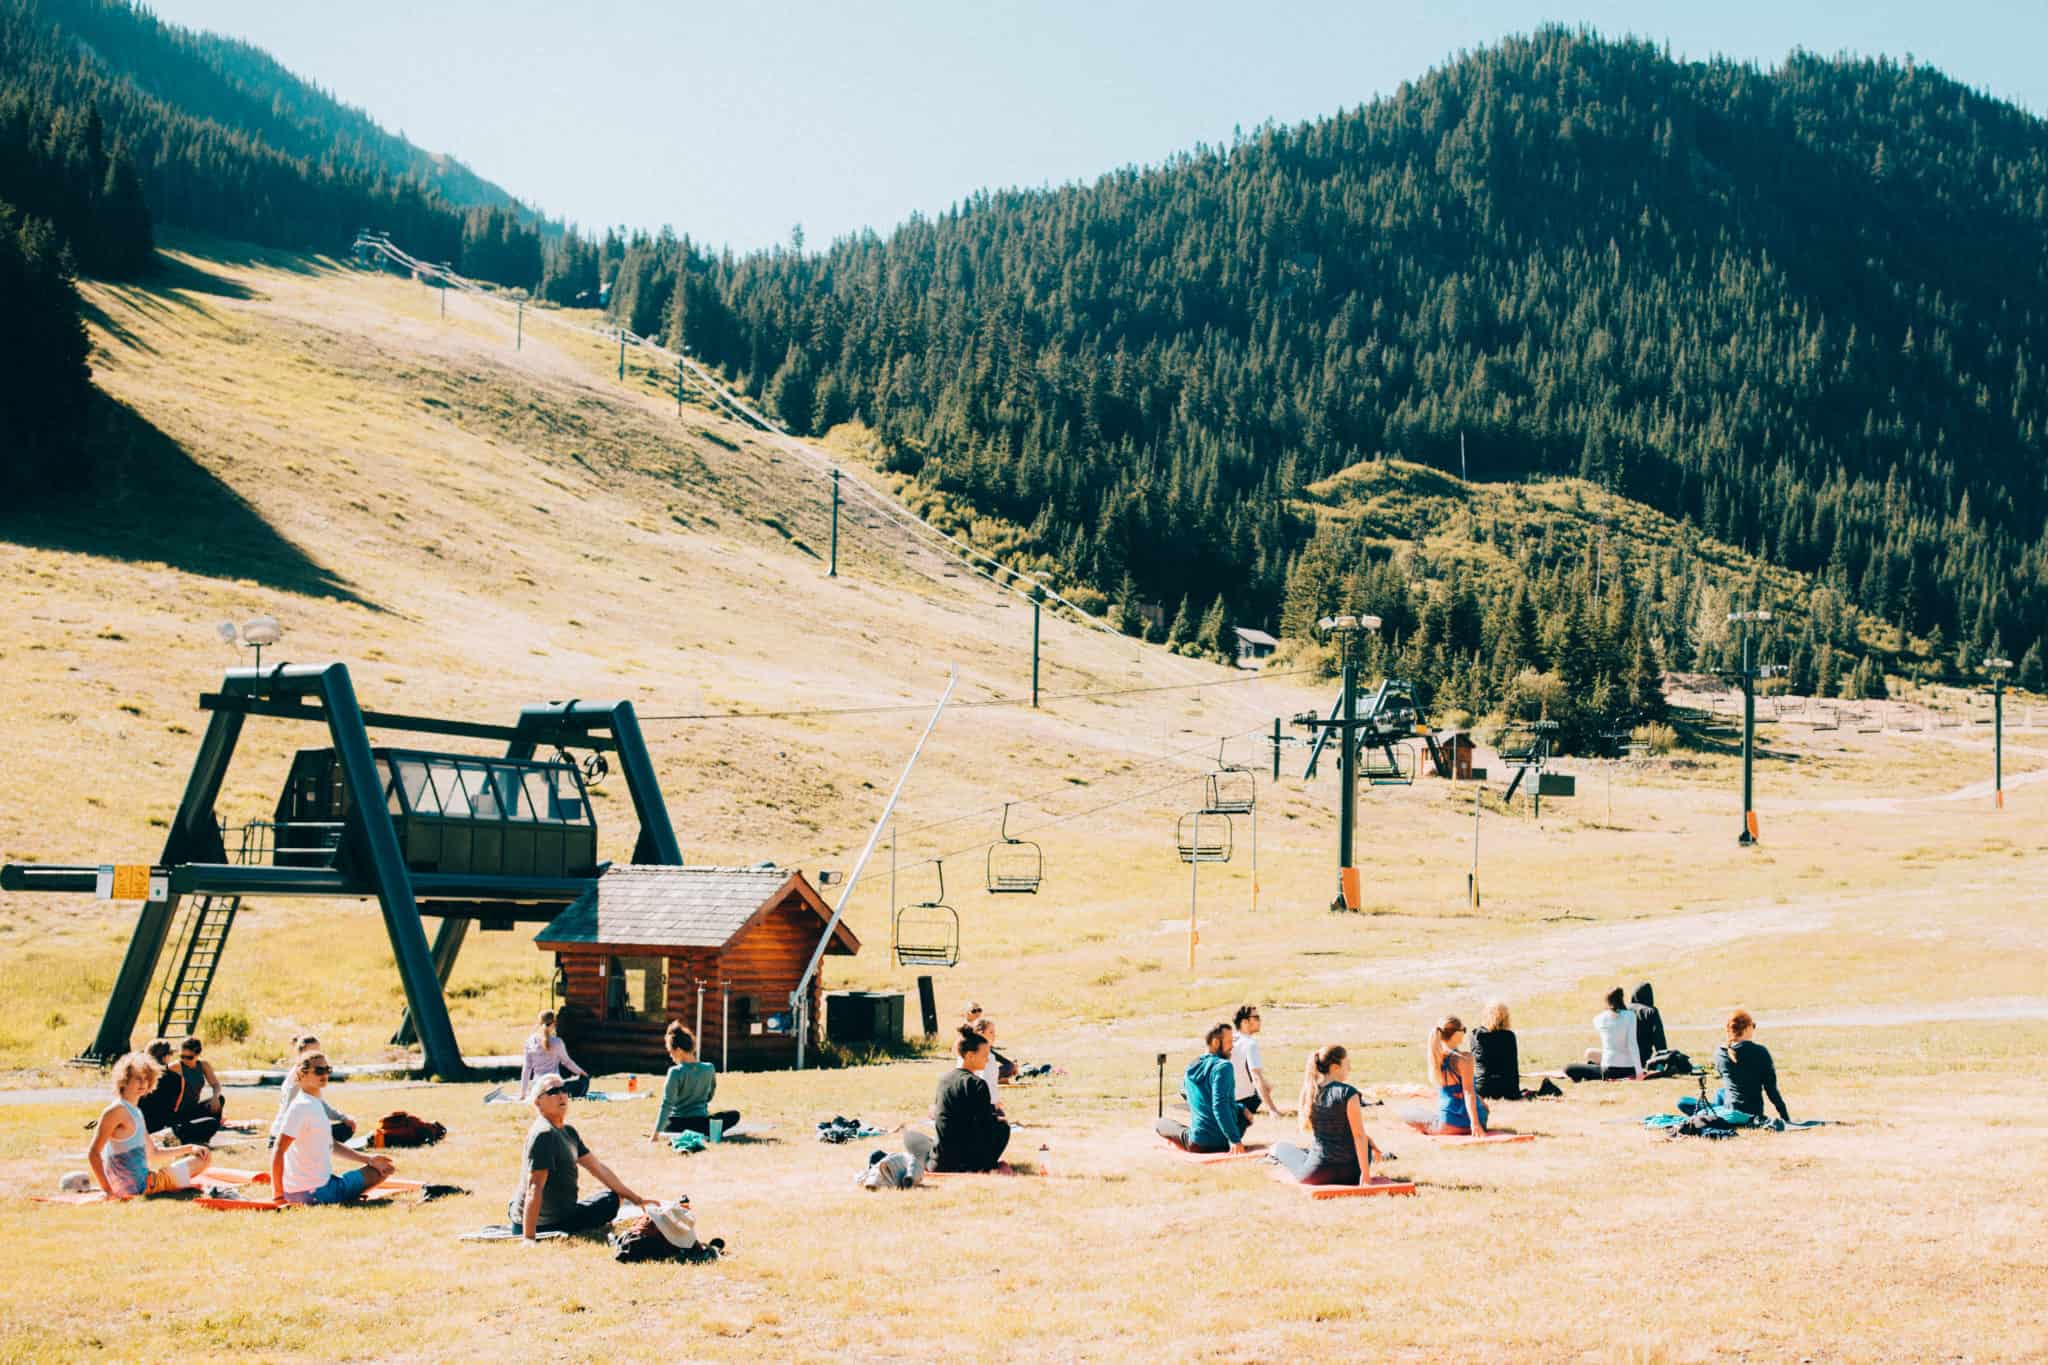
<point>512,527</point>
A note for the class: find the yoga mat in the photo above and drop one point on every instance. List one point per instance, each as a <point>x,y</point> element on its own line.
<point>1252,1152</point>
<point>1378,1185</point>
<point>1468,1140</point>
<point>506,1233</point>
<point>1003,1170</point>
<point>380,1194</point>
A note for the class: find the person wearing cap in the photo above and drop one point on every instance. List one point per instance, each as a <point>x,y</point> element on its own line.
<point>546,1198</point>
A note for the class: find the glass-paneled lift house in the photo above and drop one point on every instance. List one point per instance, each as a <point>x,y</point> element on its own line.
<point>457,836</point>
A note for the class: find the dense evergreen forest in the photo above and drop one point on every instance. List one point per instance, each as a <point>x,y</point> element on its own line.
<point>1805,310</point>
<point>224,141</point>
<point>1801,311</point>
<point>112,123</point>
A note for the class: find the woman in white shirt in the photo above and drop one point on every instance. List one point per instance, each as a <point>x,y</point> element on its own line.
<point>1617,1057</point>
<point>547,1055</point>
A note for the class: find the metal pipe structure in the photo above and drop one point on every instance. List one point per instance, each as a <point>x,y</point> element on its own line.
<point>799,999</point>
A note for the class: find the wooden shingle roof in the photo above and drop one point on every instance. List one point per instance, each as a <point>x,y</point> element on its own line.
<point>648,906</point>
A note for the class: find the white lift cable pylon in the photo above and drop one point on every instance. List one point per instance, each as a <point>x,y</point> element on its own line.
<point>799,999</point>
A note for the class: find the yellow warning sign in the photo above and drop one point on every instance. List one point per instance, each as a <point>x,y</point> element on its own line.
<point>131,882</point>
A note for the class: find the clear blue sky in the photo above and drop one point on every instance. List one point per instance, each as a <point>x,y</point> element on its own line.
<point>735,121</point>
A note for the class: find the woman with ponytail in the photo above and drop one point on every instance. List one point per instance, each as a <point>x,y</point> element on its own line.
<point>1339,1153</point>
<point>1458,1109</point>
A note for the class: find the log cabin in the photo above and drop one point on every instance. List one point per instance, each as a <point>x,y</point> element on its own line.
<point>632,951</point>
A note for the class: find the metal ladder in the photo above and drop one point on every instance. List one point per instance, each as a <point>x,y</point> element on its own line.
<point>203,934</point>
<point>184,991</point>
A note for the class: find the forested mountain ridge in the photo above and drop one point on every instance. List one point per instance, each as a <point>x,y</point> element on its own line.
<point>112,123</point>
<point>244,89</point>
<point>1802,309</point>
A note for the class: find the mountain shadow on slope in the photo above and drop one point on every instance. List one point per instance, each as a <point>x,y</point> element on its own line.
<point>151,501</point>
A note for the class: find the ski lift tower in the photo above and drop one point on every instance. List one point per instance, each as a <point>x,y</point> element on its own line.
<point>1999,668</point>
<point>1346,629</point>
<point>1748,674</point>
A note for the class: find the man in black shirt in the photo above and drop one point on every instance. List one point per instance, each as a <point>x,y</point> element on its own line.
<point>1649,1024</point>
<point>971,1137</point>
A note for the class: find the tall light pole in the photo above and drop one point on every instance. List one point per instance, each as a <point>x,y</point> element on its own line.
<point>1999,668</point>
<point>1748,620</point>
<point>1347,630</point>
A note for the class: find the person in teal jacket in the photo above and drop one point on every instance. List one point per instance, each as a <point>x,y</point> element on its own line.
<point>686,1096</point>
<point>1214,1121</point>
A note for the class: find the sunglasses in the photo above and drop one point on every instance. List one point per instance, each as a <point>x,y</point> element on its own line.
<point>321,1070</point>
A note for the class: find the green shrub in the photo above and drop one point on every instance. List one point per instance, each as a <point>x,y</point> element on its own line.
<point>1656,737</point>
<point>226,1026</point>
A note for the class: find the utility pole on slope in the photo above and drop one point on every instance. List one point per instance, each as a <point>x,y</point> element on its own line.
<point>832,572</point>
<point>1748,674</point>
<point>1998,669</point>
<point>1035,605</point>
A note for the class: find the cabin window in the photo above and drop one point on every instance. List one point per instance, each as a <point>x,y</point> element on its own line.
<point>636,988</point>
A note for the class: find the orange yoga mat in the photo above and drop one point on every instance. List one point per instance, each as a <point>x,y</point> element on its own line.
<point>1484,1140</point>
<point>1379,1184</point>
<point>1252,1152</point>
<point>380,1193</point>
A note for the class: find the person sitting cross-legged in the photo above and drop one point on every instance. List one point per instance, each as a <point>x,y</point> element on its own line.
<point>686,1095</point>
<point>547,1055</point>
<point>1619,1057</point>
<point>1253,1089</point>
<point>120,1150</point>
<point>302,1163</point>
<point>1459,1110</point>
<point>343,1126</point>
<point>1497,1060</point>
<point>546,1198</point>
<point>202,1104</point>
<point>972,1135</point>
<point>1748,1076</point>
<point>1215,1123</point>
<point>159,1105</point>
<point>1340,1152</point>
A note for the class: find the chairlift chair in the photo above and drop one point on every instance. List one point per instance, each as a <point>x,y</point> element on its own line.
<point>1233,789</point>
<point>1015,866</point>
<point>1204,837</point>
<point>927,934</point>
<point>1384,767</point>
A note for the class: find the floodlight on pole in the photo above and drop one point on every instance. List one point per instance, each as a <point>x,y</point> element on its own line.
<point>1999,668</point>
<point>256,632</point>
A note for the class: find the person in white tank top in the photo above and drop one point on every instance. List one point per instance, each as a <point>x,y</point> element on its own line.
<point>120,1150</point>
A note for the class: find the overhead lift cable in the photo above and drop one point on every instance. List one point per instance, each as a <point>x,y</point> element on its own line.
<point>1041,590</point>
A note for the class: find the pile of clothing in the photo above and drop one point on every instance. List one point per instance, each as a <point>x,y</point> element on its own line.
<point>663,1232</point>
<point>839,1128</point>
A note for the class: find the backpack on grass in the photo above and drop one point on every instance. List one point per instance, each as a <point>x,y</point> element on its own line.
<point>400,1129</point>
